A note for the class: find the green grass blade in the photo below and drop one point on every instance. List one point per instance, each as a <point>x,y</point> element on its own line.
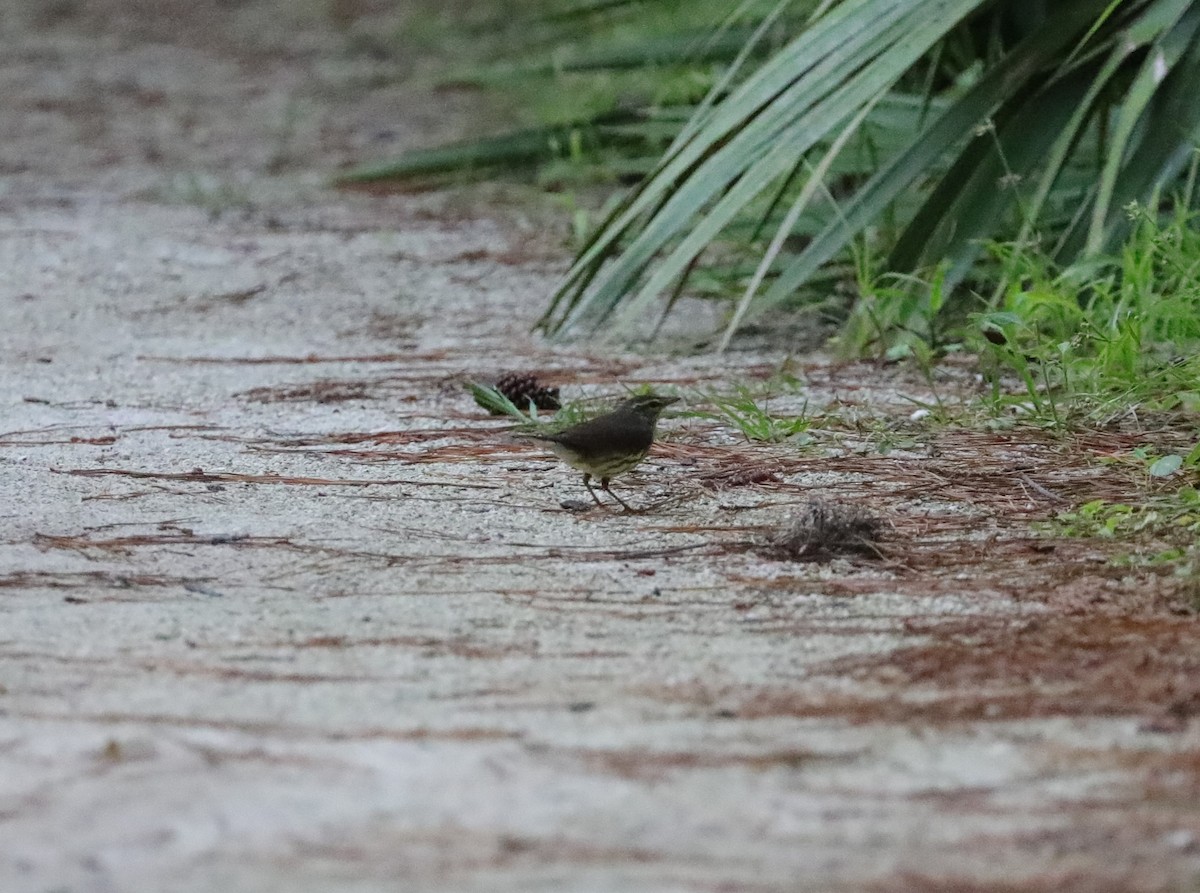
<point>516,149</point>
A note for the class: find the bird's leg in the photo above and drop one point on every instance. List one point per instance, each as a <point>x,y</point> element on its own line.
<point>604,486</point>
<point>587,482</point>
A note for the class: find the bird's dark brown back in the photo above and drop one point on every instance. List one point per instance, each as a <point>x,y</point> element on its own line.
<point>621,432</point>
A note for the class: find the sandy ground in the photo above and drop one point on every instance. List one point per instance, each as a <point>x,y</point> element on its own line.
<point>281,609</point>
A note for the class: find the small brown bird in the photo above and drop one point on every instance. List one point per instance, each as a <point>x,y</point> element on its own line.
<point>610,444</point>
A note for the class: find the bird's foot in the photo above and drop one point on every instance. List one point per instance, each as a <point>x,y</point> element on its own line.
<point>625,505</point>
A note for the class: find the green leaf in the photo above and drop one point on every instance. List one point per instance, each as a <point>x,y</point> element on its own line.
<point>515,149</point>
<point>1193,458</point>
<point>1165,466</point>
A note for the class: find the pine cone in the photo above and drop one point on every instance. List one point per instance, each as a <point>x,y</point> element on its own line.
<point>523,389</point>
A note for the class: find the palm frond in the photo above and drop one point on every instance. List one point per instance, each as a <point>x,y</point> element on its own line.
<point>1088,109</point>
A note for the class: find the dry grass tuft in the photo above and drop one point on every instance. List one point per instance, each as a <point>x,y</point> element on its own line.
<point>823,530</point>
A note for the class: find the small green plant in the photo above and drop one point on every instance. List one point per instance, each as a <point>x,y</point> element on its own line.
<point>1172,517</point>
<point>743,411</point>
<point>898,316</point>
<point>1104,336</point>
